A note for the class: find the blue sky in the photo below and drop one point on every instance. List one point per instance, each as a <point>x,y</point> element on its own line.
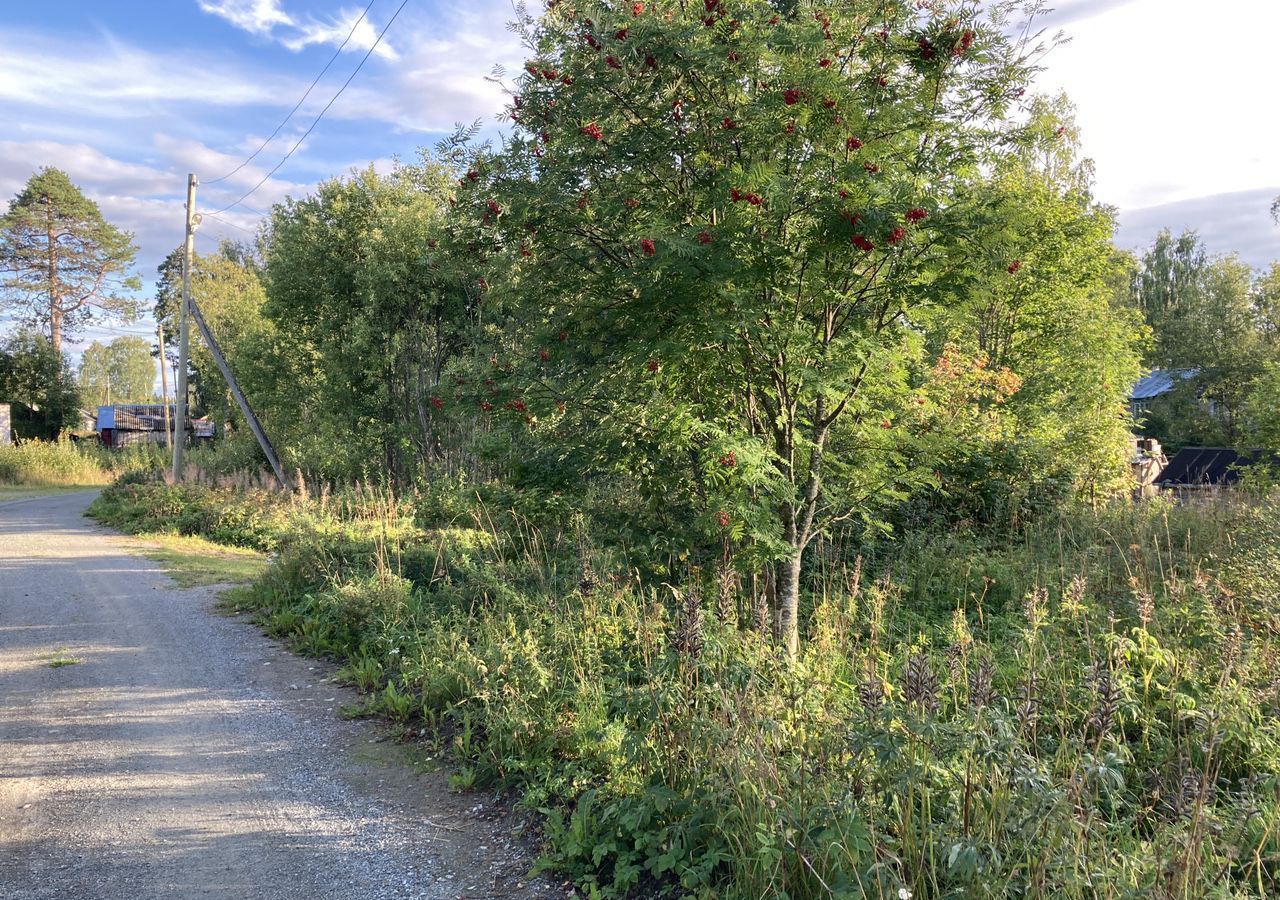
<point>128,96</point>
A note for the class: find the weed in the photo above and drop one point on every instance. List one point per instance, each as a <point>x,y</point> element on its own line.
<point>63,658</point>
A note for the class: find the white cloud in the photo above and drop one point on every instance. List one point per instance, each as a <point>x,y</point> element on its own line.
<point>189,155</point>
<point>442,76</point>
<point>1169,105</point>
<point>1065,12</point>
<point>266,18</point>
<point>84,164</point>
<point>254,16</point>
<point>334,32</point>
<point>1235,222</point>
<point>106,78</point>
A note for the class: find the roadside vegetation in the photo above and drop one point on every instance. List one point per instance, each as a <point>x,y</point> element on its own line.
<point>1092,703</point>
<point>196,561</point>
<point>66,464</point>
<point>734,465</point>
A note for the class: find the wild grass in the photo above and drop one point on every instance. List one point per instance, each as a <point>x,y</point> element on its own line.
<point>62,658</point>
<point>196,561</point>
<point>66,464</point>
<point>1090,710</point>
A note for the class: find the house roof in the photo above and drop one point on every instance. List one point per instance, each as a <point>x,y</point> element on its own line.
<point>1159,381</point>
<point>134,416</point>
<point>1209,465</point>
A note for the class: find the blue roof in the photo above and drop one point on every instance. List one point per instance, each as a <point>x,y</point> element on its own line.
<point>1160,381</point>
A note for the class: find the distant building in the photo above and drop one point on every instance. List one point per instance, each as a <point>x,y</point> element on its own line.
<point>1146,462</point>
<point>125,424</point>
<point>1199,468</point>
<point>87,424</point>
<point>1153,385</point>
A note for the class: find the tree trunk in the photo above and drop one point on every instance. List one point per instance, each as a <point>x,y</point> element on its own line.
<point>789,601</point>
<point>55,300</point>
<point>797,530</point>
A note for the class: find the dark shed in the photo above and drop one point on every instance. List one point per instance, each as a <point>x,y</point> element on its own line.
<point>1209,466</point>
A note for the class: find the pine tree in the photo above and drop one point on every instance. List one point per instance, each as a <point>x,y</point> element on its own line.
<point>61,262</point>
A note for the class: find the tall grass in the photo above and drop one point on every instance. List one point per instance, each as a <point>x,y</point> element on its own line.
<point>1091,711</point>
<point>64,463</point>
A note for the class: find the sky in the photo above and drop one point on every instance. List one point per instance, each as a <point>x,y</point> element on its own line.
<point>127,96</point>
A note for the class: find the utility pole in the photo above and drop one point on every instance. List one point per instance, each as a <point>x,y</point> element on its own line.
<point>254,425</point>
<point>164,387</point>
<point>180,401</point>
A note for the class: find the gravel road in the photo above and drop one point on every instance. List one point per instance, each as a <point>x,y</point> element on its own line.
<point>186,755</point>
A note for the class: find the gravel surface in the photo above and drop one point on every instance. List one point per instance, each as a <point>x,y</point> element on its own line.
<point>187,755</point>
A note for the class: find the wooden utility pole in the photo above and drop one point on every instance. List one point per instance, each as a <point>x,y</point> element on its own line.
<point>164,387</point>
<point>254,425</point>
<point>180,401</point>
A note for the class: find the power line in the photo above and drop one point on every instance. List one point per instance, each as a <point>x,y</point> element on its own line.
<point>116,332</point>
<point>218,218</point>
<point>298,105</point>
<point>332,100</point>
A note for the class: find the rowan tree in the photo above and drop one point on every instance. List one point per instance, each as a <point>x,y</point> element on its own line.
<point>718,227</point>
<point>61,262</point>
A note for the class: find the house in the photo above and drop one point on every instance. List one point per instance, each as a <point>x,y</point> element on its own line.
<point>144,423</point>
<point>1155,384</point>
<point>86,425</point>
<point>125,424</point>
<point>1200,468</point>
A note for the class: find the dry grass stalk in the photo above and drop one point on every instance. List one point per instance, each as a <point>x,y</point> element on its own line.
<point>726,594</point>
<point>981,692</point>
<point>688,635</point>
<point>920,683</point>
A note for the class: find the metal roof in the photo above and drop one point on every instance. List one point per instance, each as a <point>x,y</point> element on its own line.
<point>1159,381</point>
<point>1209,465</point>
<point>134,416</point>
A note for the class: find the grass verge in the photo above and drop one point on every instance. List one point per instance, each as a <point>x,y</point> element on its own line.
<point>197,562</point>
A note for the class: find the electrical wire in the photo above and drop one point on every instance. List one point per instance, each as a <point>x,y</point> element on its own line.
<point>298,105</point>
<point>230,224</point>
<point>332,100</point>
